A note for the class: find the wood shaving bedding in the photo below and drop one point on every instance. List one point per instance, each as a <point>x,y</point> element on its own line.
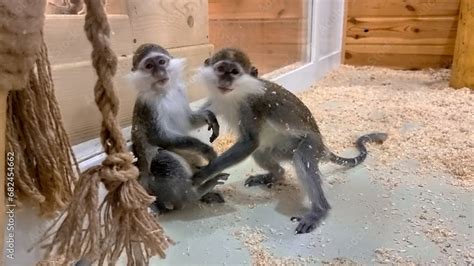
<point>426,119</point>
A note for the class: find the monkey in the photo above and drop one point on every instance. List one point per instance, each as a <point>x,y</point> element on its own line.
<point>273,126</point>
<point>162,118</point>
<point>172,184</point>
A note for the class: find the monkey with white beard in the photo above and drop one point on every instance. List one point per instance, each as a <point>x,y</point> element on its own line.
<point>273,126</point>
<point>166,155</point>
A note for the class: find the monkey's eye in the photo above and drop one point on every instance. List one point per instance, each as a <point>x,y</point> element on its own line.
<point>149,66</point>
<point>162,62</point>
<point>235,71</point>
<point>220,69</point>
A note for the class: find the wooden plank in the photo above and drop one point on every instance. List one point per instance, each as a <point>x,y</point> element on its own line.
<point>116,7</point>
<point>74,90</point>
<point>195,56</point>
<point>260,9</point>
<point>67,42</point>
<point>400,49</point>
<point>439,30</point>
<point>271,44</point>
<point>410,8</point>
<point>398,61</point>
<point>463,67</point>
<point>3,123</point>
<point>267,63</point>
<point>169,23</point>
<point>344,30</point>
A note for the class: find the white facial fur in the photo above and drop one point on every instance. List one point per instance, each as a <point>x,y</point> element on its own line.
<point>169,101</point>
<point>228,104</point>
<point>144,82</point>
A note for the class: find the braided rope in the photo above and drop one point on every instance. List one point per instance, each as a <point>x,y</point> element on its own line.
<point>127,225</point>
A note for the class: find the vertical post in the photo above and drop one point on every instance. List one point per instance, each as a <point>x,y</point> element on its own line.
<point>344,31</point>
<point>462,74</point>
<point>3,124</point>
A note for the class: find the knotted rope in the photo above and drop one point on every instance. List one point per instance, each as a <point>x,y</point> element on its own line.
<point>43,156</point>
<point>122,221</point>
<point>42,166</point>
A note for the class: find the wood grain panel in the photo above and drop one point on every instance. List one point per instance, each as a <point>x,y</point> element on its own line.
<point>116,7</point>
<point>425,30</point>
<point>463,67</point>
<point>67,42</point>
<point>74,90</point>
<point>410,8</point>
<point>260,9</point>
<point>397,61</point>
<point>401,49</point>
<point>170,23</point>
<point>271,44</point>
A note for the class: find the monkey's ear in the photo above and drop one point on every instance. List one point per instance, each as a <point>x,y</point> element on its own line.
<point>207,62</point>
<point>254,72</point>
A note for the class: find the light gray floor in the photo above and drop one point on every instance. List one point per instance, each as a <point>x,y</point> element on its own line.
<point>365,216</point>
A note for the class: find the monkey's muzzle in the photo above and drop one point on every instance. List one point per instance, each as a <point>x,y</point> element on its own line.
<point>224,90</point>
<point>162,81</point>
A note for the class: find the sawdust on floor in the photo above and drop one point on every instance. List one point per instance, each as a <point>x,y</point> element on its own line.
<point>426,119</point>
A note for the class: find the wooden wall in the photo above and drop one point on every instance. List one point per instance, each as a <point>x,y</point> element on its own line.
<point>272,32</point>
<point>181,26</point>
<point>401,34</point>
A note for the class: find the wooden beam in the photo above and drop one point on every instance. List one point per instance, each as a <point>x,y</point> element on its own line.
<point>270,43</point>
<point>405,8</point>
<point>171,24</point>
<point>67,43</point>
<point>344,31</point>
<point>260,9</point>
<point>401,30</point>
<point>463,61</point>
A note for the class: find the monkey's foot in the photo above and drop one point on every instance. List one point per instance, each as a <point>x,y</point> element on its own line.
<point>264,179</point>
<point>212,197</point>
<point>159,208</point>
<point>308,222</point>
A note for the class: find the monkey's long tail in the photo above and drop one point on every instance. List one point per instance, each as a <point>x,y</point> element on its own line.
<point>360,144</point>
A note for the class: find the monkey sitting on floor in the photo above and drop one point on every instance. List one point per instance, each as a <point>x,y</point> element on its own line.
<point>272,125</point>
<point>166,155</point>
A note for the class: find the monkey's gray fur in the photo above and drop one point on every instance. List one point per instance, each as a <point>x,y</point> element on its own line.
<point>273,125</point>
<point>166,155</point>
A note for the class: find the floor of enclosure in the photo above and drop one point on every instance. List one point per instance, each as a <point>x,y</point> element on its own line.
<point>408,203</point>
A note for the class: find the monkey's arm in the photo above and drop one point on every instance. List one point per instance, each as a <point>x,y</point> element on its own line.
<point>204,116</point>
<point>171,142</point>
<point>243,148</point>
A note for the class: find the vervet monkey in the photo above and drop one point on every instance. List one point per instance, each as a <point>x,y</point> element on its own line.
<point>272,125</point>
<point>162,119</point>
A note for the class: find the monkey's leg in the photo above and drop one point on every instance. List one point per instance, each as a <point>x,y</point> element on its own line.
<point>204,190</point>
<point>212,197</point>
<point>305,159</point>
<point>159,208</point>
<point>265,159</point>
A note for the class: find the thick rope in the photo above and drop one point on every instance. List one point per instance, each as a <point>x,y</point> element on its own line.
<point>127,225</point>
<point>44,170</point>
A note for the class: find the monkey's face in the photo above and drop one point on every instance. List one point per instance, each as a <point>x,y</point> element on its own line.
<point>229,72</point>
<point>156,72</point>
<point>156,66</point>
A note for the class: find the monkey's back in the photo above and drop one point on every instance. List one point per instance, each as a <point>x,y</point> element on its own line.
<point>283,107</point>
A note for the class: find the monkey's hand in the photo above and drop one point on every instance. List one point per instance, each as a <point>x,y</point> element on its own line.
<point>210,154</point>
<point>212,123</point>
<point>200,177</point>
